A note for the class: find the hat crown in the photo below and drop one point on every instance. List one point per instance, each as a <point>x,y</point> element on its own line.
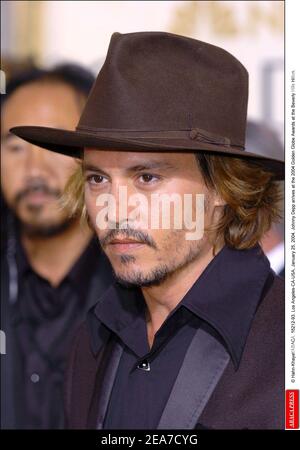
<point>156,81</point>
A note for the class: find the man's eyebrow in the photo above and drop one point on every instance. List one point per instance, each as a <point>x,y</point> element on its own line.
<point>150,165</point>
<point>137,168</point>
<point>92,168</point>
<point>7,136</point>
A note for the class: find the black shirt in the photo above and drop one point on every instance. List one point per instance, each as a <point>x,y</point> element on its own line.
<point>44,319</point>
<point>222,302</point>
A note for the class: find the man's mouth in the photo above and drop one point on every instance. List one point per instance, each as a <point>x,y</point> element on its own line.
<point>38,198</point>
<point>37,195</point>
<point>125,245</point>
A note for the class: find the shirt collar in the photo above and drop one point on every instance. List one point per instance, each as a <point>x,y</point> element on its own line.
<point>226,296</point>
<point>79,273</point>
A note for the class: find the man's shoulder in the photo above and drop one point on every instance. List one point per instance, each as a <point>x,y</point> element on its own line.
<point>273,300</point>
<point>268,323</point>
<point>89,338</point>
<point>80,348</point>
<point>255,392</point>
<point>81,335</point>
<point>79,379</point>
<point>277,286</point>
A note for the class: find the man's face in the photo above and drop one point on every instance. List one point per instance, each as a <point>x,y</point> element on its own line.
<point>142,255</point>
<point>32,179</point>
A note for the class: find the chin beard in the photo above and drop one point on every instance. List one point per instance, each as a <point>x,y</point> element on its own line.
<point>157,276</point>
<point>138,279</point>
<point>46,231</point>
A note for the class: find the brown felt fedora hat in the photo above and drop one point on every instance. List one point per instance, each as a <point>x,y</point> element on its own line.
<point>161,92</point>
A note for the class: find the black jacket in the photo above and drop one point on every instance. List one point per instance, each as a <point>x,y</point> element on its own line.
<point>12,377</point>
<point>251,397</point>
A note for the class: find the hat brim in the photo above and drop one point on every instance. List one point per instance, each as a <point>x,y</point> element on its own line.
<point>72,143</point>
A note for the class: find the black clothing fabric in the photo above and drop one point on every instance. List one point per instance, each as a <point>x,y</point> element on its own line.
<point>145,376</point>
<point>40,323</point>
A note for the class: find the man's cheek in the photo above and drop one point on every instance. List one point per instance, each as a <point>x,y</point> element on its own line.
<point>91,213</point>
<point>10,193</point>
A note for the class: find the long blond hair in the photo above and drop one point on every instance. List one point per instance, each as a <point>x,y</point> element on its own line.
<point>253,198</point>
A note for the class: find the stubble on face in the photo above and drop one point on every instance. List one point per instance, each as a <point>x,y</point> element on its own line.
<point>173,254</point>
<point>31,215</point>
<point>32,180</point>
<point>161,253</point>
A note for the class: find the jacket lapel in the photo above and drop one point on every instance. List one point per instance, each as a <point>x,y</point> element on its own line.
<point>202,368</point>
<point>105,377</point>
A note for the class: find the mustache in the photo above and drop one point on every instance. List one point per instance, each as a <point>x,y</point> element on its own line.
<point>37,186</point>
<point>128,233</point>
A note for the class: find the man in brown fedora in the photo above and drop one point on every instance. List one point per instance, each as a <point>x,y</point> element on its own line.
<point>191,334</point>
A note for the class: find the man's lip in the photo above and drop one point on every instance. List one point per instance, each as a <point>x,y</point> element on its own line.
<point>37,197</point>
<point>125,241</point>
<point>125,246</point>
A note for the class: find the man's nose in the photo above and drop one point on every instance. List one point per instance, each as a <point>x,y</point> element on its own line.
<point>120,190</point>
<point>36,161</point>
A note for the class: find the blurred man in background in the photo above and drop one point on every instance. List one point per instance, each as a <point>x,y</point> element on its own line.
<point>261,139</point>
<point>52,268</point>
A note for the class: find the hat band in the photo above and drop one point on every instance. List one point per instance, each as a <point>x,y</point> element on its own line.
<point>193,133</point>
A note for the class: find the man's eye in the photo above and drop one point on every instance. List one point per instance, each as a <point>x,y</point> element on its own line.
<point>95,179</point>
<point>147,178</point>
<point>15,148</point>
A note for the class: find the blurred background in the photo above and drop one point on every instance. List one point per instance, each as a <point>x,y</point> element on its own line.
<point>44,34</point>
<point>47,33</point>
<point>52,268</point>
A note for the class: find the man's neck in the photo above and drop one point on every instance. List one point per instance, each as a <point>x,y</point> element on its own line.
<point>54,256</point>
<point>162,299</point>
<point>270,240</point>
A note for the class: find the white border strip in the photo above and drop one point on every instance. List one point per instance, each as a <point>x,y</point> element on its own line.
<point>292,195</point>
